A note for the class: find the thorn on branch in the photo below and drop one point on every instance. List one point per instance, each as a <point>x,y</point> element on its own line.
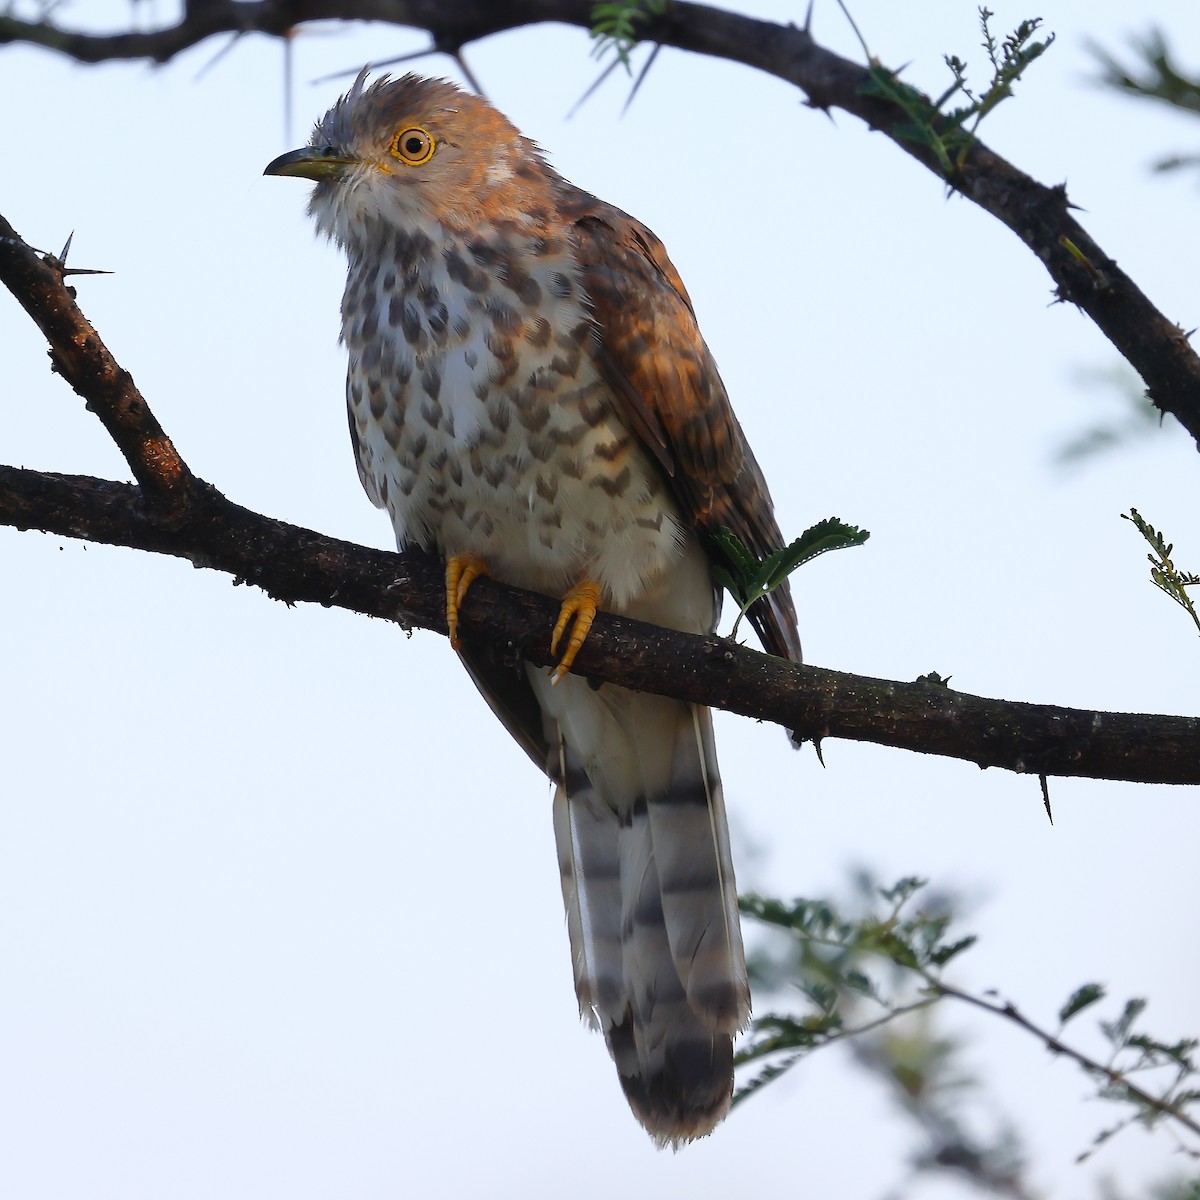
<point>612,66</point>
<point>637,83</point>
<point>1099,279</point>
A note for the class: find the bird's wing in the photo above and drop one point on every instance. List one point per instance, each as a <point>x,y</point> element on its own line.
<point>654,359</point>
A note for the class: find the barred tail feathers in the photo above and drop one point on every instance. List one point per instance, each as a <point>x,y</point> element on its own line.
<point>695,867</point>
<point>587,836</point>
<point>651,903</point>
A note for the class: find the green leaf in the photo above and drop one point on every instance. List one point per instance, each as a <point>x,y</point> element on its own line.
<point>1117,1031</point>
<point>741,561</point>
<point>749,579</point>
<point>614,26</point>
<point>1081,998</point>
<point>1164,574</point>
<point>903,890</point>
<point>943,954</point>
<point>765,1076</point>
<point>1179,1053</point>
<point>857,981</point>
<point>826,535</point>
<point>944,132</point>
<point>822,995</point>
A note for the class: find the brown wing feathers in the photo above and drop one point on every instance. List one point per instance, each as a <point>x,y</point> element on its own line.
<point>655,360</point>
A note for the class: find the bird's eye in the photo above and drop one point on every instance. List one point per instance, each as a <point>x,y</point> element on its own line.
<point>413,146</point>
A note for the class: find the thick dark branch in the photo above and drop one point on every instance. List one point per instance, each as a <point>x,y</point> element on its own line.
<point>294,565</point>
<point>1083,272</point>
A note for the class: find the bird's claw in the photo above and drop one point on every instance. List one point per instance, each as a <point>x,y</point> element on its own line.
<point>461,571</point>
<point>579,608</point>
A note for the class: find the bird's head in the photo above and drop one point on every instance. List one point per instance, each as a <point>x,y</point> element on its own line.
<point>418,154</point>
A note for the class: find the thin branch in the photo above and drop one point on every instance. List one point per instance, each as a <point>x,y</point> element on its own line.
<point>1116,1078</point>
<point>1083,273</point>
<point>831,1035</point>
<point>830,971</point>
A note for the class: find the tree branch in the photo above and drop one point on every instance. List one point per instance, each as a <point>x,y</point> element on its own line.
<point>292,564</point>
<point>1118,1079</point>
<point>83,360</point>
<point>299,565</point>
<point>1083,273</point>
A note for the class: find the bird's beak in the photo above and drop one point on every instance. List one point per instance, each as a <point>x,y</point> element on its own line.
<point>309,163</point>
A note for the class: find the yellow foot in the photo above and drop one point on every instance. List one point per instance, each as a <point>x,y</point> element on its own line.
<point>461,571</point>
<point>579,606</point>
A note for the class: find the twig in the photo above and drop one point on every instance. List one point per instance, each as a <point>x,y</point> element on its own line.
<point>1116,1078</point>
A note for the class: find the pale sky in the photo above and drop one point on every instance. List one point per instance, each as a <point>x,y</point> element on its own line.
<point>279,905</point>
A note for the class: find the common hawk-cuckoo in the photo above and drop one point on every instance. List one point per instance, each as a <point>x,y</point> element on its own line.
<point>530,397</point>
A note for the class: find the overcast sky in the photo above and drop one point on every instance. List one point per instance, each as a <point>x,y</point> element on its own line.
<point>279,905</point>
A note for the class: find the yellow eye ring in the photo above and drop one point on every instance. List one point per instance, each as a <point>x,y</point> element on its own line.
<point>413,146</point>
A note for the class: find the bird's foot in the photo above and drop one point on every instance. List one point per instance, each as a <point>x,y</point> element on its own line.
<point>461,571</point>
<point>579,608</point>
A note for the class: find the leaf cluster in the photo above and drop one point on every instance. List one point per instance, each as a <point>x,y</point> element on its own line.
<point>1164,574</point>
<point>748,579</point>
<point>615,26</point>
<point>1135,1053</point>
<point>866,976</point>
<point>830,970</point>
<point>949,132</point>
<point>1155,76</point>
<point>1137,418</point>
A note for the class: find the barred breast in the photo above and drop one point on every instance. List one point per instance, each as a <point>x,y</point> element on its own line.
<point>481,423</point>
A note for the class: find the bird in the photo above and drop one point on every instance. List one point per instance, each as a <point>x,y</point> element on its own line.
<point>530,398</point>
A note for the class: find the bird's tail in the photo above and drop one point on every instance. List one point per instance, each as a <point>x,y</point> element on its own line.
<point>652,913</point>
